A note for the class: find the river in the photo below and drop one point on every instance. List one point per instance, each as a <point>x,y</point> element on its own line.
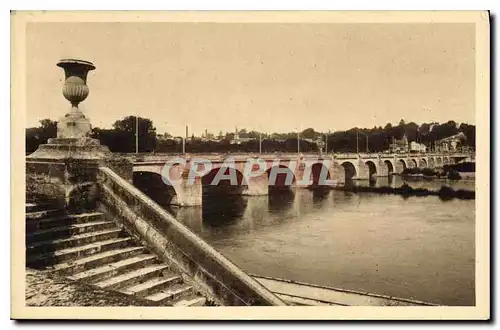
<point>419,247</point>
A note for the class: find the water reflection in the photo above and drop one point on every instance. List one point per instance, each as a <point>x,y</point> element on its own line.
<point>192,216</point>
<point>222,209</point>
<point>320,195</point>
<point>280,200</point>
<point>396,181</point>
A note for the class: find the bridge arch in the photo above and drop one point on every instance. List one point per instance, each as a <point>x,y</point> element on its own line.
<point>412,163</point>
<point>372,169</point>
<point>316,171</point>
<point>156,187</point>
<point>403,164</point>
<point>422,163</point>
<point>432,162</point>
<point>223,180</point>
<point>349,170</point>
<point>446,160</point>
<point>390,166</point>
<point>284,179</point>
<point>439,161</point>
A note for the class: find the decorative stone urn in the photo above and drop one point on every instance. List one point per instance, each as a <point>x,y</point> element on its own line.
<point>65,170</point>
<point>74,128</point>
<point>75,90</point>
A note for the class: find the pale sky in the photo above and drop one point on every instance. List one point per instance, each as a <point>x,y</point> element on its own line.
<point>271,77</point>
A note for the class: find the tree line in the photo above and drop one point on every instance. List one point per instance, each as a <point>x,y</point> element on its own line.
<point>121,138</point>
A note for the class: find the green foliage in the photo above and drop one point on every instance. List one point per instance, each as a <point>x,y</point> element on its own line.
<point>39,135</point>
<point>429,172</point>
<point>121,138</point>
<point>445,193</point>
<point>454,175</point>
<point>424,171</point>
<point>310,133</point>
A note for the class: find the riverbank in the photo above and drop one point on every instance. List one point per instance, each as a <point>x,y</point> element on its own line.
<point>458,171</point>
<point>445,193</point>
<point>463,177</point>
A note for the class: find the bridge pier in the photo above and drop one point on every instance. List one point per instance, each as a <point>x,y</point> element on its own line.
<point>382,169</point>
<point>257,186</point>
<point>337,173</point>
<point>363,171</point>
<point>399,167</point>
<point>189,194</point>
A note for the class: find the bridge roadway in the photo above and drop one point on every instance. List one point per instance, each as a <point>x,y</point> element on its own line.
<point>190,172</point>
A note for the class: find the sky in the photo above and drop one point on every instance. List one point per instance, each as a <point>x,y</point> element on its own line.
<point>269,77</point>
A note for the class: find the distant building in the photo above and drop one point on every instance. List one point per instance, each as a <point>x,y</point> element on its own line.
<point>399,145</point>
<point>451,143</point>
<point>238,140</point>
<point>417,147</point>
<point>209,137</point>
<point>205,139</point>
<point>164,137</point>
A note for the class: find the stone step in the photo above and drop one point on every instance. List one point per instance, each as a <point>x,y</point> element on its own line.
<point>151,286</point>
<point>171,294</point>
<point>67,231</point>
<point>44,214</point>
<point>97,260</point>
<point>35,207</point>
<point>188,302</point>
<point>73,241</point>
<point>85,247</point>
<point>112,269</point>
<point>133,277</point>
<point>46,223</point>
<point>77,252</point>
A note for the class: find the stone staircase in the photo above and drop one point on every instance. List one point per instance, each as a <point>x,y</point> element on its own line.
<point>86,247</point>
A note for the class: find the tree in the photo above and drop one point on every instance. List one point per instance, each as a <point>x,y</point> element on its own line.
<point>242,133</point>
<point>49,126</point>
<point>126,129</point>
<point>309,133</point>
<point>165,136</point>
<point>470,133</point>
<point>254,135</point>
<point>40,135</point>
<point>128,124</point>
<point>424,129</point>
<point>122,137</point>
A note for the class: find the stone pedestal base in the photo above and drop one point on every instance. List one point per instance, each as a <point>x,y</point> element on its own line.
<point>64,172</point>
<point>73,125</point>
<point>74,148</point>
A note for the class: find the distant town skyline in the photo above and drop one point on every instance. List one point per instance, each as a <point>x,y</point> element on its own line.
<point>264,77</point>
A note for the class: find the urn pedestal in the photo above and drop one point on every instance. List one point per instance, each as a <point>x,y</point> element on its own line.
<point>64,171</point>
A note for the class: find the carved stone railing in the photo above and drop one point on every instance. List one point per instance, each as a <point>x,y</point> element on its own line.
<point>209,271</point>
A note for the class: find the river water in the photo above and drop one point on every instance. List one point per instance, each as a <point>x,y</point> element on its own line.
<point>418,247</point>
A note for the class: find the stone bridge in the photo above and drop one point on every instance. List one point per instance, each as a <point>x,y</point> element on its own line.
<point>185,178</point>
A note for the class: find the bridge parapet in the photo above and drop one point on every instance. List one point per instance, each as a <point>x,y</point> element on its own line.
<point>240,157</point>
